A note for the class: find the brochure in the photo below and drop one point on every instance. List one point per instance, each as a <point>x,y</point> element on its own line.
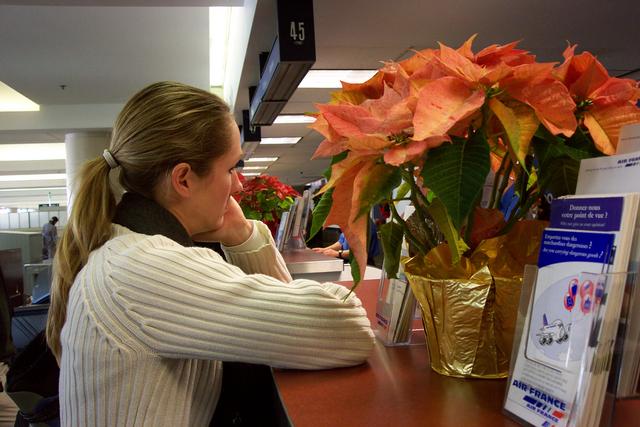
<point>571,310</point>
<point>396,302</point>
<point>621,173</point>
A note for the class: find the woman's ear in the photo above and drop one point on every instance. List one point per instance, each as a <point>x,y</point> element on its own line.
<point>182,179</point>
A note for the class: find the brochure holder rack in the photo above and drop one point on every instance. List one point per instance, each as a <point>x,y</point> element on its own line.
<point>296,242</point>
<point>609,368</point>
<point>395,311</point>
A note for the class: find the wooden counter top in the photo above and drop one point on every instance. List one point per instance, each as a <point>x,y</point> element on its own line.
<point>396,387</point>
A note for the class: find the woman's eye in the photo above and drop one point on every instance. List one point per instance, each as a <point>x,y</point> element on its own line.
<point>238,165</point>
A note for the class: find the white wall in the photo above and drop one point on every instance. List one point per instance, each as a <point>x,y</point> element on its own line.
<point>23,220</point>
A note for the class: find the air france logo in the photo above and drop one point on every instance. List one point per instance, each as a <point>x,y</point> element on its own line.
<point>546,405</point>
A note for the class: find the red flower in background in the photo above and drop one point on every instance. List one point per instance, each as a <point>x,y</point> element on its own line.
<point>265,198</point>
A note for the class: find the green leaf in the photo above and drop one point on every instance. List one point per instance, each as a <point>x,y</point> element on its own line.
<point>320,213</point>
<point>339,157</point>
<point>283,205</point>
<point>335,159</point>
<point>560,176</point>
<point>520,183</point>
<point>559,160</point>
<point>456,174</point>
<point>327,173</point>
<point>438,212</point>
<point>547,146</point>
<point>379,186</point>
<point>391,234</point>
<point>403,190</point>
<point>430,196</point>
<point>544,134</point>
<point>253,215</point>
<point>355,272</point>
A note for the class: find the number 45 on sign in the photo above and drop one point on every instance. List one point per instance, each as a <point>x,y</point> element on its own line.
<point>296,31</point>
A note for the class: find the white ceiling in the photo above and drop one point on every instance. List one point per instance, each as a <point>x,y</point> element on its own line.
<point>105,54</point>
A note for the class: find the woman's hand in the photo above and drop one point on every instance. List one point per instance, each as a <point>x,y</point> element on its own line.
<point>235,229</point>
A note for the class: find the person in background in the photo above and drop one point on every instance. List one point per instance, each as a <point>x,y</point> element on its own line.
<point>140,319</point>
<point>49,238</point>
<point>338,249</point>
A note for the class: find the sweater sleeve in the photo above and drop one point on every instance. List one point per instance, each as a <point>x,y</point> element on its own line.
<point>258,254</point>
<point>188,303</point>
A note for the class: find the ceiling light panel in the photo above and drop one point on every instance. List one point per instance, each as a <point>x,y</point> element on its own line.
<point>17,190</point>
<point>330,79</point>
<point>219,21</point>
<point>18,152</point>
<point>254,168</point>
<point>34,177</point>
<point>12,100</point>
<point>262,159</point>
<point>293,119</point>
<point>281,140</point>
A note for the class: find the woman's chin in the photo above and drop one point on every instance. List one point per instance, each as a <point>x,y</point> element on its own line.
<point>219,223</point>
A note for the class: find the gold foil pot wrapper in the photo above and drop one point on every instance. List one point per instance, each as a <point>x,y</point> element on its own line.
<point>469,309</point>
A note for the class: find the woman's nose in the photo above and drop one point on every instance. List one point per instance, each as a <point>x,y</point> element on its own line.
<point>236,186</point>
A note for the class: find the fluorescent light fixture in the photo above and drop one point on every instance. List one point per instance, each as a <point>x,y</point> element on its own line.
<point>254,168</point>
<point>38,177</point>
<point>12,100</point>
<point>262,159</point>
<point>251,173</point>
<point>14,190</point>
<point>282,140</point>
<point>321,79</point>
<point>293,118</point>
<point>18,152</point>
<point>219,26</point>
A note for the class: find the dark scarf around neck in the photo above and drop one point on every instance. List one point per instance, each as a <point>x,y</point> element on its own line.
<point>145,216</point>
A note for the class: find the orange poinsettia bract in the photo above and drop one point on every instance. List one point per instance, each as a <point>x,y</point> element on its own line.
<point>608,103</point>
<point>349,178</point>
<point>440,97</point>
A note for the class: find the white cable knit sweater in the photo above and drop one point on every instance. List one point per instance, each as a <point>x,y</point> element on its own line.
<point>148,322</point>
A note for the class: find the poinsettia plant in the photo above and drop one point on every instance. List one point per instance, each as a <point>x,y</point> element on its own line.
<point>431,128</point>
<point>265,198</point>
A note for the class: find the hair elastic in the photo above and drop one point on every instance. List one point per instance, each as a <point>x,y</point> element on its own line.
<point>111,161</point>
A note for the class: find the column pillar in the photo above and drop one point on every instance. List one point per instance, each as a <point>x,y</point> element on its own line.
<point>80,147</point>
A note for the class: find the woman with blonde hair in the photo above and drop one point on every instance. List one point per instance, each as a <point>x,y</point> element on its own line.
<point>140,319</point>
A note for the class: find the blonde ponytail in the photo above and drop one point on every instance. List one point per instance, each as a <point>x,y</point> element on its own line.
<point>88,228</point>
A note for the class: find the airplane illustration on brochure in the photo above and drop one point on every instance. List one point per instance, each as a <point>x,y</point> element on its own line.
<point>555,331</point>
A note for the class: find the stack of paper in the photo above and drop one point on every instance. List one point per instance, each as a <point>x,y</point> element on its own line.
<point>562,365</point>
<point>396,302</point>
<point>605,175</point>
